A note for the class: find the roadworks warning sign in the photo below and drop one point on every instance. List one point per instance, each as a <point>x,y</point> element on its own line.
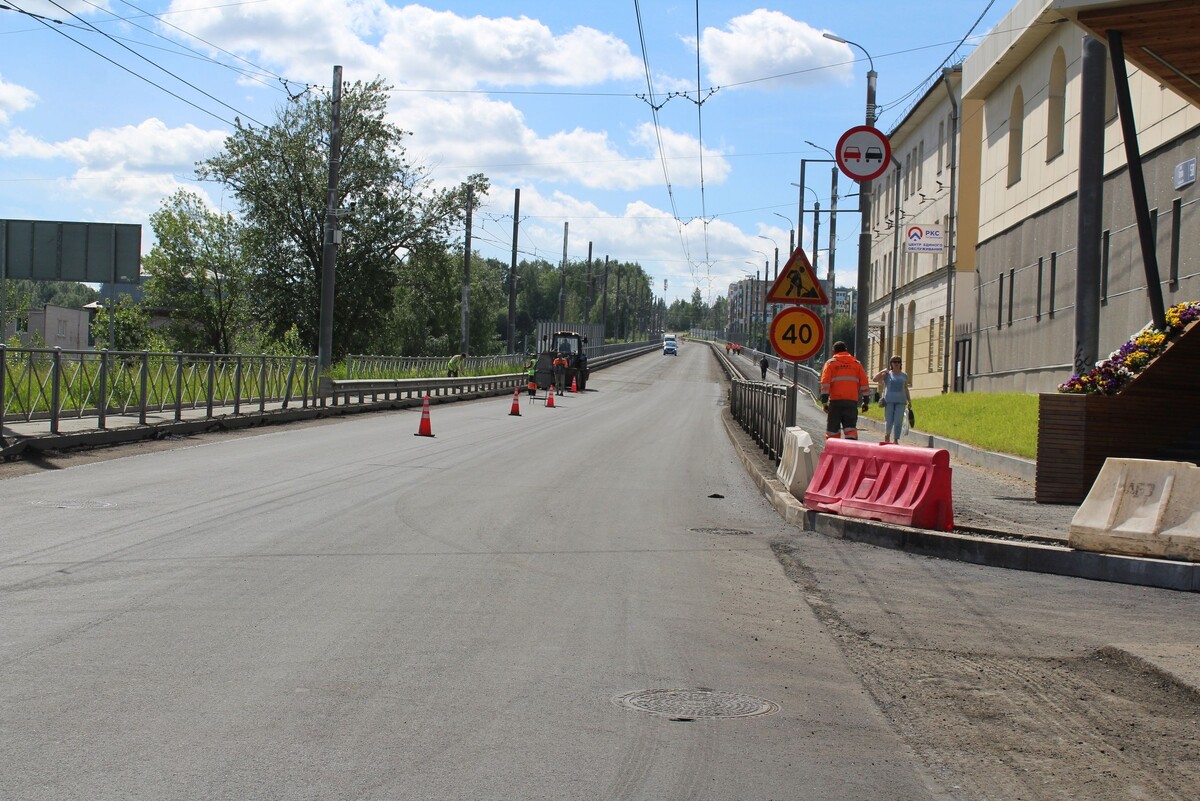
<point>797,283</point>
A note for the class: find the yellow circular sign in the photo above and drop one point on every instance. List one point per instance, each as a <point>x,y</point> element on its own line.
<point>797,333</point>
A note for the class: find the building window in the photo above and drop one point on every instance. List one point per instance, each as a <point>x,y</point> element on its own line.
<point>1012,285</point>
<point>1057,107</point>
<point>1000,303</point>
<point>1105,249</point>
<point>1053,280</point>
<point>1016,136</point>
<point>920,164</point>
<point>1176,223</point>
<point>1038,314</point>
<point>941,144</point>
<point>932,339</point>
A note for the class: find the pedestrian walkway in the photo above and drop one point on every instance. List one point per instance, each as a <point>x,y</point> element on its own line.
<point>996,520</point>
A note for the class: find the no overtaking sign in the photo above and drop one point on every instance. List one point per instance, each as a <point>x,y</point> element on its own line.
<point>863,153</point>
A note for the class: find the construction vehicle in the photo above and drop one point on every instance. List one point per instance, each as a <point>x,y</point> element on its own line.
<point>570,345</point>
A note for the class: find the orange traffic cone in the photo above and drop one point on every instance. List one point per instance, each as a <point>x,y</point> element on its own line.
<point>516,406</point>
<point>550,398</point>
<point>573,386</point>
<point>425,430</point>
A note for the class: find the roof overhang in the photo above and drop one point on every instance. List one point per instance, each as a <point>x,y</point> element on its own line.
<point>1162,38</point>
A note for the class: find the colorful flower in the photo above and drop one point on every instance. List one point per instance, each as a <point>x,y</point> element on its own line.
<point>1112,374</point>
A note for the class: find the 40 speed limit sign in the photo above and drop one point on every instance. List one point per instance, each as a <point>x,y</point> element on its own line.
<point>797,333</point>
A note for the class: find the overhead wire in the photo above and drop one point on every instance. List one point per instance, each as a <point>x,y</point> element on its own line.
<point>153,64</point>
<point>654,107</point>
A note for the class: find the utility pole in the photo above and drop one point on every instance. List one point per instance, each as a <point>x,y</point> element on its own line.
<point>562,281</point>
<point>832,277</point>
<point>329,246</point>
<point>587,289</point>
<point>465,339</point>
<point>604,302</point>
<point>512,275</point>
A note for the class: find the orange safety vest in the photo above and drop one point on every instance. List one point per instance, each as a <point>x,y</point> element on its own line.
<point>844,378</point>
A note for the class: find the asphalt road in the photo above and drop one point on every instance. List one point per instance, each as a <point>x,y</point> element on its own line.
<point>347,611</point>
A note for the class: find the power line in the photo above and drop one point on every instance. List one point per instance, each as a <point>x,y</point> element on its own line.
<point>154,64</point>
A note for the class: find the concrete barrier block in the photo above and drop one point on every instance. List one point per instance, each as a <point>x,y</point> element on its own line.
<point>798,462</point>
<point>1141,507</point>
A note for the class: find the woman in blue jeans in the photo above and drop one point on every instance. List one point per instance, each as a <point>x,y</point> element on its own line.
<point>894,395</point>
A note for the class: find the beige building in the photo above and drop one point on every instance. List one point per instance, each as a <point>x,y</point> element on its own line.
<point>911,311</point>
<point>1022,97</point>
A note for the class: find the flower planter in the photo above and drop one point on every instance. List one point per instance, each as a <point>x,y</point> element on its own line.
<point>1156,415</point>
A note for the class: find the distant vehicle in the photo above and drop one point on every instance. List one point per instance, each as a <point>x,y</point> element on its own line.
<point>852,154</point>
<point>670,348</point>
<point>875,154</point>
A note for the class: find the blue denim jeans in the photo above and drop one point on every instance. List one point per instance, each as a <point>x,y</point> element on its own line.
<point>894,420</point>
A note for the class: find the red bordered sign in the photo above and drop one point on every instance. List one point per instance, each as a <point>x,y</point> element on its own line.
<point>863,153</point>
<point>797,333</point>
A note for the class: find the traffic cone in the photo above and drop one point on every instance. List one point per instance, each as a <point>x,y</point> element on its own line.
<point>425,430</point>
<point>516,405</point>
<point>550,398</point>
<point>573,386</point>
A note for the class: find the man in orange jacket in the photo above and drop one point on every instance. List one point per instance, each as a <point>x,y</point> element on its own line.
<point>844,388</point>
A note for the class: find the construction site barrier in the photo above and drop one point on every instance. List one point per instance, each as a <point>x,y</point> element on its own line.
<point>799,460</point>
<point>890,483</point>
<point>1141,507</point>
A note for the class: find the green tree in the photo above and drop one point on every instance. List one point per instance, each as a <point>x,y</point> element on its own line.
<point>131,326</point>
<point>280,176</point>
<point>198,274</point>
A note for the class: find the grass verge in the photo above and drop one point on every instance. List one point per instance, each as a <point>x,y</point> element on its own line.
<point>1006,423</point>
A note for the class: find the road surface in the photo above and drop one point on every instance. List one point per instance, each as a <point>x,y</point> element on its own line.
<point>348,611</point>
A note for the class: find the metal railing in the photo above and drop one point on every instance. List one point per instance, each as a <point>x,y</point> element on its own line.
<point>763,409</point>
<point>54,384</point>
<point>363,367</point>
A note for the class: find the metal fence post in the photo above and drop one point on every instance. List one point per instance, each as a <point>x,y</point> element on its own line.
<point>789,413</point>
<point>262,385</point>
<point>210,381</point>
<point>237,384</point>
<point>287,388</point>
<point>55,388</point>
<point>143,390</point>
<point>3,384</point>
<point>102,416</point>
<point>178,385</point>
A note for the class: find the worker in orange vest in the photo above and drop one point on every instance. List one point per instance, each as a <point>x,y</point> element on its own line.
<point>560,373</point>
<point>844,388</point>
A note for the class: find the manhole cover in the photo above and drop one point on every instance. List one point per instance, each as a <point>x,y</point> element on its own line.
<point>694,704</point>
<point>729,532</point>
<point>70,504</point>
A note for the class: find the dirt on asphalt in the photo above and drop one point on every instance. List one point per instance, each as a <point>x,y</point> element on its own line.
<point>995,716</point>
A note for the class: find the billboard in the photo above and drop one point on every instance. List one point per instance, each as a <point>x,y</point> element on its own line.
<point>43,250</point>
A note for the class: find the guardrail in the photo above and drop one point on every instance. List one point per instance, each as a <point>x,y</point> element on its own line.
<point>763,409</point>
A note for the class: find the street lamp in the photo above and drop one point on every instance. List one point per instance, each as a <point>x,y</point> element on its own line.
<point>864,208</point>
<point>791,232</point>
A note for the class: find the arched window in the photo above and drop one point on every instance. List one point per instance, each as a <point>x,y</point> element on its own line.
<point>1056,121</point>
<point>1016,136</point>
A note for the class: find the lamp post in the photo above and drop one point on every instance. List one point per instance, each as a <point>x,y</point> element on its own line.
<point>864,208</point>
<point>776,244</point>
<point>791,232</point>
<point>831,278</point>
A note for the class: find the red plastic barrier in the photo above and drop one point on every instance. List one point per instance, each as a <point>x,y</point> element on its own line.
<point>891,483</point>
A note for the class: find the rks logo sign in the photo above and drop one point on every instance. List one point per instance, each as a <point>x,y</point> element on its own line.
<point>925,239</point>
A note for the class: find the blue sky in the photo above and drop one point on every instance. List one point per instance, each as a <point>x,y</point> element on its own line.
<point>548,97</point>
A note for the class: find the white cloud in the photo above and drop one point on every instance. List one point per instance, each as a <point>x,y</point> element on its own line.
<point>475,134</point>
<point>765,43</point>
<point>412,44</point>
<point>131,168</point>
<point>14,98</point>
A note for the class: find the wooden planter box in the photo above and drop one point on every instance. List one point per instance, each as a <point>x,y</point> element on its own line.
<point>1157,416</point>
